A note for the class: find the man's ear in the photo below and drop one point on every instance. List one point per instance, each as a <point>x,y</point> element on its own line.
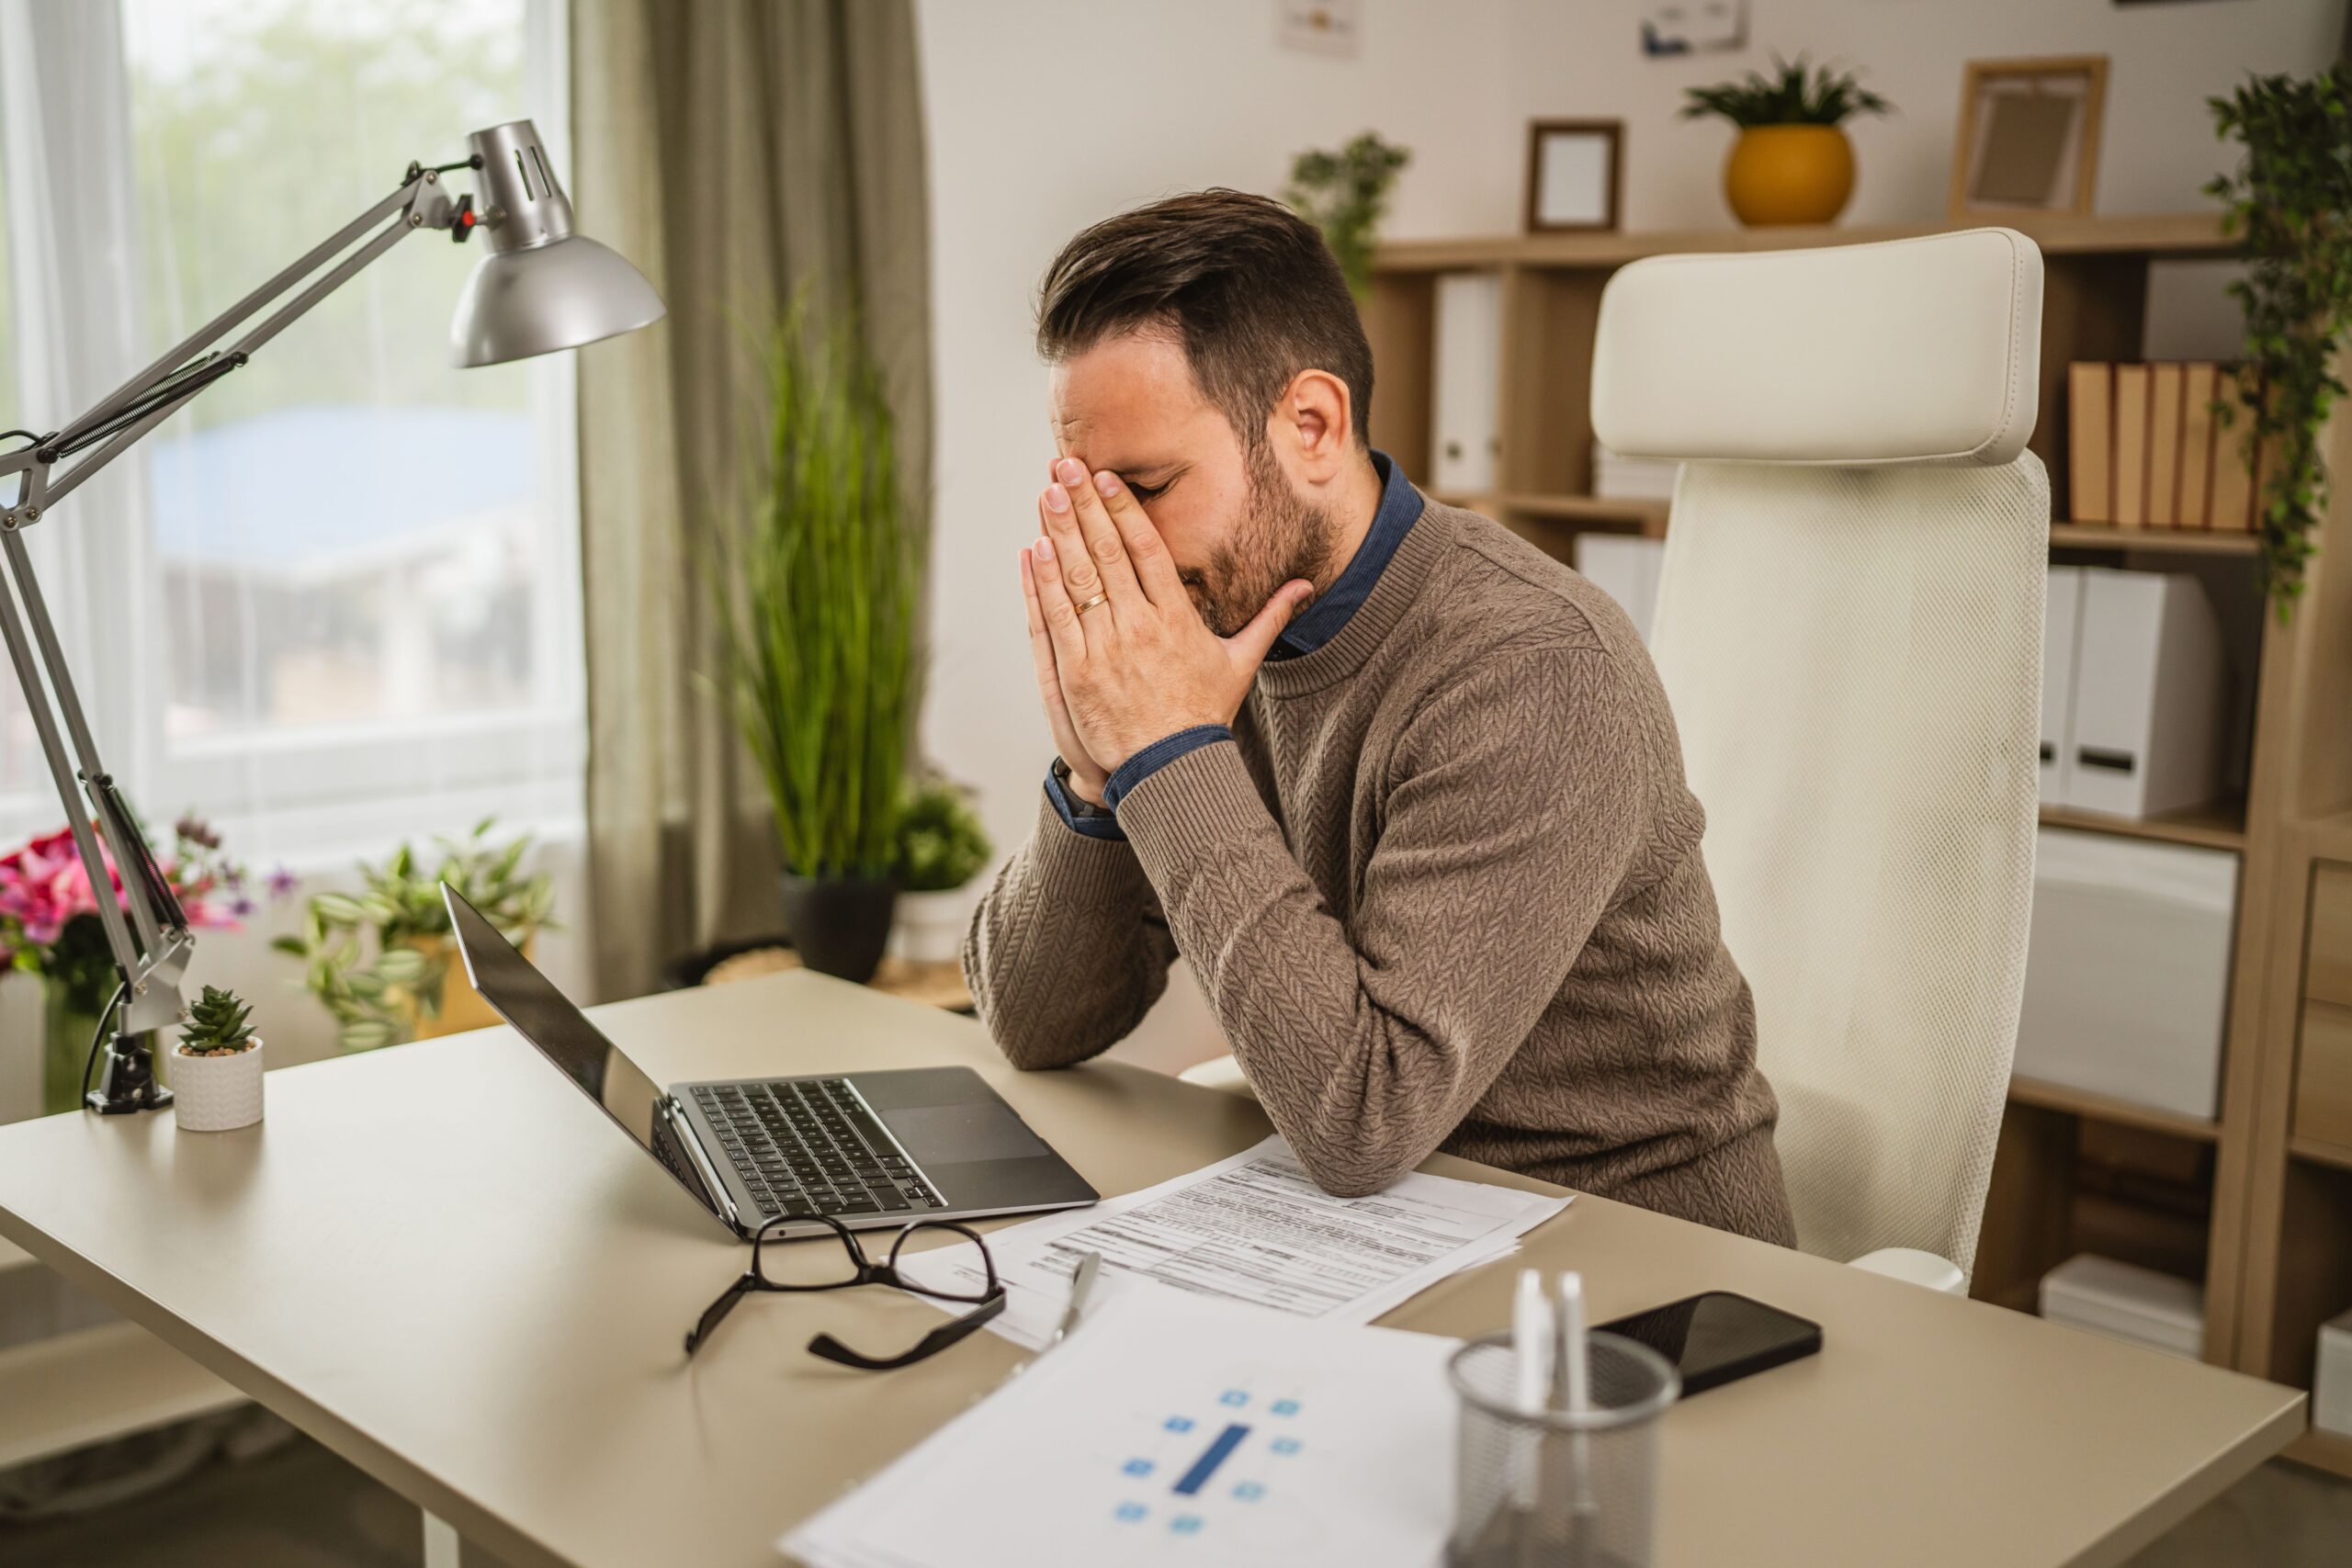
<point>1314,425</point>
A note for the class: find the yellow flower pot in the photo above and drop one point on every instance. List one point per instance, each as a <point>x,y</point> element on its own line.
<point>1789,174</point>
<point>462,1006</point>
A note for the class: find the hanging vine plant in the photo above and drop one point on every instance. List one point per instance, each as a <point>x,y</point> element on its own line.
<point>2288,203</point>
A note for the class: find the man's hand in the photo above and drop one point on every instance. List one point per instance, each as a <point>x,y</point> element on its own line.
<point>1138,663</point>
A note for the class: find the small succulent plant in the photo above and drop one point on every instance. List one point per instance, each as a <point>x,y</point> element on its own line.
<point>217,1025</point>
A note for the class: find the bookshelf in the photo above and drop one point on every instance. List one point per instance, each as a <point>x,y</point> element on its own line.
<point>2263,1217</point>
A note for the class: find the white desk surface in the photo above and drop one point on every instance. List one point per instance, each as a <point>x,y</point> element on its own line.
<point>443,1263</point>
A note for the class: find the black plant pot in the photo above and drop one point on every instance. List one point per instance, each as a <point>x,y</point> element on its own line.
<point>840,925</point>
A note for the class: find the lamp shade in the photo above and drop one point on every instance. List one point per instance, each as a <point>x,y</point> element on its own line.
<point>542,286</point>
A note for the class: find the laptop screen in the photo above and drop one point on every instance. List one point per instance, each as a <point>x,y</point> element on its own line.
<point>545,1017</point>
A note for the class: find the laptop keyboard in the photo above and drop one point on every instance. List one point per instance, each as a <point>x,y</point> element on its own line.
<point>810,1148</point>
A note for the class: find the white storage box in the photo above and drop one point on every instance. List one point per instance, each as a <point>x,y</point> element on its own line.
<point>1624,567</point>
<point>2126,1302</point>
<point>2127,976</point>
<point>2062,617</point>
<point>2150,685</point>
<point>2332,1387</point>
<point>1464,437</point>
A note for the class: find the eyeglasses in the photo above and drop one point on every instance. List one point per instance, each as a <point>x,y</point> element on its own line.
<point>863,1271</point>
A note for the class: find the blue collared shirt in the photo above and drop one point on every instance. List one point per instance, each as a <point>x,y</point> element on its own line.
<point>1400,505</point>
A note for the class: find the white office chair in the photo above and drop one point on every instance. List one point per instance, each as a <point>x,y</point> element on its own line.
<point>1850,627</point>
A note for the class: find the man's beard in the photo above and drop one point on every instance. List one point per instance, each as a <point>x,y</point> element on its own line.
<point>1283,537</point>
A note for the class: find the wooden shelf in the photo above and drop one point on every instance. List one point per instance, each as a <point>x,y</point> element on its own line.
<point>2331,1452</point>
<point>2100,1107</point>
<point>2320,1152</point>
<point>2220,826</point>
<point>72,1390</point>
<point>2156,234</point>
<point>2179,541</point>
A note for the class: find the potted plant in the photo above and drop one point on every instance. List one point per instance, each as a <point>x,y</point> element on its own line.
<point>49,930</point>
<point>1345,194</point>
<point>817,588</point>
<point>2288,203</point>
<point>216,1068</point>
<point>1792,162</point>
<point>942,846</point>
<point>380,959</point>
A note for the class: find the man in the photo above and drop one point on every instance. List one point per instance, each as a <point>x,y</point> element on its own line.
<point>1403,789</point>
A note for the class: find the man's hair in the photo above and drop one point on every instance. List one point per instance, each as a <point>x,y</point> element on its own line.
<point>1247,287</point>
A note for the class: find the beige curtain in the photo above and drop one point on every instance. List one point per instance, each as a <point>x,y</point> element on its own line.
<point>736,150</point>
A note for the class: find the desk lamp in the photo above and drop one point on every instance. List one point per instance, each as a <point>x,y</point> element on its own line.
<point>542,286</point>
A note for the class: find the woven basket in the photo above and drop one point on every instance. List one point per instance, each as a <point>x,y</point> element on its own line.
<point>217,1094</point>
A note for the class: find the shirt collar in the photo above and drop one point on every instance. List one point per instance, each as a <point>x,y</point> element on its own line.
<point>1400,505</point>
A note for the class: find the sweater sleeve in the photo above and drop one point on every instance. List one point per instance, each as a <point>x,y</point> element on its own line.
<point>1068,950</point>
<point>1515,804</point>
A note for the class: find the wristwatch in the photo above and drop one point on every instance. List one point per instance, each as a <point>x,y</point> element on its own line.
<point>1080,806</point>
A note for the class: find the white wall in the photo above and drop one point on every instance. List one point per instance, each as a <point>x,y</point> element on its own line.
<point>2164,62</point>
<point>1045,115</point>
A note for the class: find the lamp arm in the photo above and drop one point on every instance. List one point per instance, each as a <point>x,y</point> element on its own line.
<point>152,950</point>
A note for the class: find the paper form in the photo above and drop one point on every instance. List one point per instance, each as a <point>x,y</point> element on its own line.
<point>1254,1230</point>
<point>1179,1430</point>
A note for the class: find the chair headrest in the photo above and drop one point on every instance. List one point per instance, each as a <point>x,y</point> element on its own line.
<point>1905,351</point>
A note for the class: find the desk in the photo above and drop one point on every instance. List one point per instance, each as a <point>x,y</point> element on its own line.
<point>441,1262</point>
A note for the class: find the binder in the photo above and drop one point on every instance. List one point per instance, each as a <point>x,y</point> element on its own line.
<point>2200,385</point>
<point>2090,453</point>
<point>2150,683</point>
<point>2060,626</point>
<point>1465,435</point>
<point>2163,446</point>
<point>2232,508</point>
<point>2130,445</point>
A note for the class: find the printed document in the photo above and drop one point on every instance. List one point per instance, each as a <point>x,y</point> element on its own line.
<point>1253,1230</point>
<point>1179,1430</point>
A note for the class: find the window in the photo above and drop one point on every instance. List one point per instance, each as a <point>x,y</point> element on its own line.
<point>351,570</point>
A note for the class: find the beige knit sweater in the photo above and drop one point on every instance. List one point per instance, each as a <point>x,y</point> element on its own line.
<point>1443,891</point>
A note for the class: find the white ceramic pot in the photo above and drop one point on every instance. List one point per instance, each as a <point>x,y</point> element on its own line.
<point>930,928</point>
<point>217,1094</point>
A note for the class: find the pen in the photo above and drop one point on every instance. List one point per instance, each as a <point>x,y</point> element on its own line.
<point>1575,1386</point>
<point>1532,1331</point>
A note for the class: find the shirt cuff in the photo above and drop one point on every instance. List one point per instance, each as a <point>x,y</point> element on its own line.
<point>1157,755</point>
<point>1092,827</point>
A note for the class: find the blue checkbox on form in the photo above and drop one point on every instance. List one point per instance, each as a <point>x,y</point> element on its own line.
<point>1129,1513</point>
<point>1286,1407</point>
<point>1249,1492</point>
<point>1285,1445</point>
<point>1178,1423</point>
<point>1185,1524</point>
<point>1233,1396</point>
<point>1137,1467</point>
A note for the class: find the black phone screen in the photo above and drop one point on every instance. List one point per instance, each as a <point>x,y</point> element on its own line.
<point>1719,1338</point>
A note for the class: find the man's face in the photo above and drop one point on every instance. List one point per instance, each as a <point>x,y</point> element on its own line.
<point>1235,524</point>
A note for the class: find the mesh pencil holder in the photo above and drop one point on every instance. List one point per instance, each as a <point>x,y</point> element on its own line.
<point>1555,1489</point>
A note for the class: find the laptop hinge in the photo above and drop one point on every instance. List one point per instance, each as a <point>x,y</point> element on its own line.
<point>683,1131</point>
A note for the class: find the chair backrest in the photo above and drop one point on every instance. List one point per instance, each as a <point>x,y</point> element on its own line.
<point>1849,628</point>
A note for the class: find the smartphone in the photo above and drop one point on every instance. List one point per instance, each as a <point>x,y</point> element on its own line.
<point>1719,1338</point>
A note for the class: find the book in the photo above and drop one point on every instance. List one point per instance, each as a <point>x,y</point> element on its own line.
<point>2200,385</point>
<point>2163,446</point>
<point>2090,456</point>
<point>2232,508</point>
<point>2130,445</point>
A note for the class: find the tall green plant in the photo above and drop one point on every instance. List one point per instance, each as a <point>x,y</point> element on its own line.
<point>1345,194</point>
<point>2289,204</point>
<point>817,585</point>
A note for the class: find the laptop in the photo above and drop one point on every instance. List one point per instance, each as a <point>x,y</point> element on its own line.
<point>869,1149</point>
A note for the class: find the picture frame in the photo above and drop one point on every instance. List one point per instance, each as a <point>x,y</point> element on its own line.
<point>2029,136</point>
<point>1574,174</point>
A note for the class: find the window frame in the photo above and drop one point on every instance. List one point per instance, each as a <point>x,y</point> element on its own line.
<point>65,87</point>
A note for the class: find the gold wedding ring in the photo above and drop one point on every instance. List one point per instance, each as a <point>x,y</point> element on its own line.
<point>1098,599</point>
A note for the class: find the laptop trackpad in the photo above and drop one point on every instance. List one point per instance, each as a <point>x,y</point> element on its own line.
<point>974,1129</point>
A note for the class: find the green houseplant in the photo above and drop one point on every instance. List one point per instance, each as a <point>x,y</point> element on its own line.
<point>1345,194</point>
<point>1792,162</point>
<point>942,846</point>
<point>816,589</point>
<point>217,1068</point>
<point>380,959</point>
<point>2288,202</point>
